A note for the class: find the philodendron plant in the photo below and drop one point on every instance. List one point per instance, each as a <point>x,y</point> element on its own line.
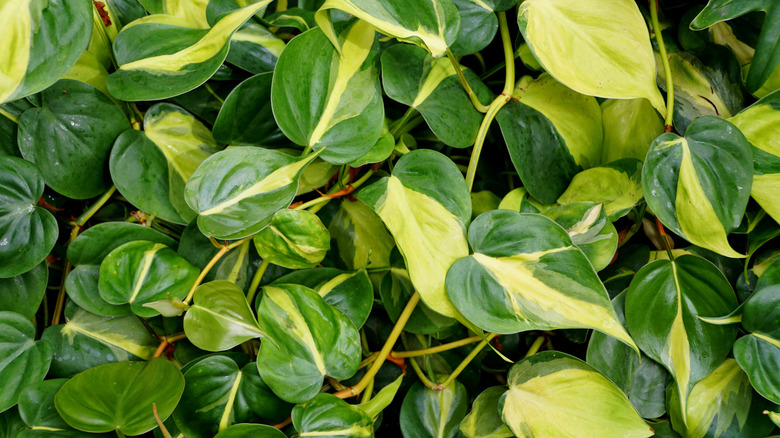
<point>417,218</point>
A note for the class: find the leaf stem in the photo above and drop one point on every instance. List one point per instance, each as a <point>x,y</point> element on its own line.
<point>421,375</point>
<point>256,281</point>
<point>82,220</point>
<point>472,95</point>
<point>465,362</point>
<point>74,232</point>
<point>535,346</point>
<point>210,265</point>
<point>400,123</point>
<point>665,238</point>
<point>667,68</point>
<point>159,421</point>
<point>498,103</point>
<point>384,352</point>
<point>436,349</point>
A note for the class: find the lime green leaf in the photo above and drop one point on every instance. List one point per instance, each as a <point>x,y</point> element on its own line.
<point>618,185</point>
<point>237,191</point>
<point>326,101</point>
<point>549,387</point>
<point>23,361</point>
<point>430,413</point>
<point>587,225</point>
<point>119,396</point>
<point>520,200</point>
<point>307,339</point>
<point>630,126</point>
<point>432,24</point>
<point>329,416</point>
<point>699,185</point>
<point>382,399</point>
<point>596,47</point>
<point>662,308</point>
<point>295,239</point>
<point>484,420</point>
<point>525,274</point>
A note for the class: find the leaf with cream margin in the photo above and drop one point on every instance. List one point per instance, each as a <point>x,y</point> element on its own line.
<point>525,274</point>
<point>552,133</point>
<point>237,191</point>
<point>618,185</point>
<point>433,24</point>
<point>426,206</point>
<point>699,185</point>
<point>307,339</point>
<point>329,102</point>
<point>721,405</point>
<point>431,413</point>
<point>552,394</point>
<point>595,47</point>
<point>760,123</point>
<point>174,59</point>
<point>150,168</point>
<point>484,420</point>
<point>630,126</point>
<point>326,415</point>
<point>663,305</point>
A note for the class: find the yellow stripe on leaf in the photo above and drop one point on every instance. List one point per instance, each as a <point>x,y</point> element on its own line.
<point>441,69</point>
<point>679,348</point>
<point>16,37</point>
<point>184,140</point>
<point>146,265</point>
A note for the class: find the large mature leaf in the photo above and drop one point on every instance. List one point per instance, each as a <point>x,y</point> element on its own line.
<point>723,404</point>
<point>23,361</point>
<point>433,24</point>
<point>220,317</point>
<point>327,415</point>
<point>525,274</point>
<point>237,191</point>
<point>767,55</point>
<point>484,420</point>
<point>36,407</point>
<point>361,237</point>
<point>161,57</point>
<point>40,42</point>
<point>552,133</point>
<point>426,206</point>
<point>596,47</point>
<point>327,101</point>
<point>87,340</point>
<point>759,123</point>
<point>246,117</point>
<point>119,396</point>
<point>69,138</point>
<point>699,185</point>
<point>24,293</point>
<point>630,126</point>
<point>552,394</point>
<point>429,413</point>
<point>29,231</point>
<point>618,185</point>
<point>150,168</point>
<point>411,76</point>
<point>87,252</point>
<point>590,230</point>
<point>218,393</point>
<point>295,239</point>
<point>142,272</point>
<point>640,378</point>
<point>663,304</point>
<point>306,340</point>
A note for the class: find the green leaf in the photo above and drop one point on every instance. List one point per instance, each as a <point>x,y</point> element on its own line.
<point>36,407</point>
<point>587,225</point>
<point>350,292</point>
<point>382,399</point>
<point>119,396</point>
<point>218,394</point>
<point>618,185</point>
<point>525,274</point>
<point>759,124</point>
<point>433,24</point>
<point>328,416</point>
<point>478,24</point>
<point>254,48</point>
<point>246,117</point>
<point>426,206</point>
<point>87,252</point>
<point>142,272</point>
<point>29,231</point>
<point>663,304</point>
<point>10,424</point>
<point>326,101</point>
<point>767,54</point>
<point>361,238</point>
<point>220,317</point>
<point>754,354</point>
<point>595,47</point>
<point>23,361</point>
<point>295,239</point>
<point>630,126</point>
<point>723,404</point>
<point>253,430</point>
<point>484,420</point>
<point>307,339</point>
<point>40,42</point>
<point>640,378</point>
<point>24,293</point>
<point>150,168</point>
<point>552,133</point>
<point>520,200</point>
<point>548,387</point>
<point>411,76</point>
<point>237,191</point>
<point>87,340</point>
<point>429,413</point>
<point>177,57</point>
<point>699,185</point>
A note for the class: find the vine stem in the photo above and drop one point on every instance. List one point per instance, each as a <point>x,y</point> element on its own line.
<point>256,281</point>
<point>665,238</point>
<point>535,347</point>
<point>436,349</point>
<point>421,375</point>
<point>465,362</point>
<point>211,264</point>
<point>384,352</point>
<point>497,104</point>
<point>472,95</point>
<point>667,68</point>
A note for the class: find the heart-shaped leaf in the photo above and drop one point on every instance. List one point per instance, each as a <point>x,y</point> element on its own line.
<point>36,407</point>
<point>328,415</point>
<point>699,185</point>
<point>23,361</point>
<point>618,185</point>
<point>430,413</point>
<point>484,420</point>
<point>295,239</point>
<point>24,293</point>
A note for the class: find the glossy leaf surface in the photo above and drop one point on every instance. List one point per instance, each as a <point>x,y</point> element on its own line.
<point>23,361</point>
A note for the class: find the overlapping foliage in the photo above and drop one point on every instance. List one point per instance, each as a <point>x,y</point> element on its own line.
<point>257,218</point>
